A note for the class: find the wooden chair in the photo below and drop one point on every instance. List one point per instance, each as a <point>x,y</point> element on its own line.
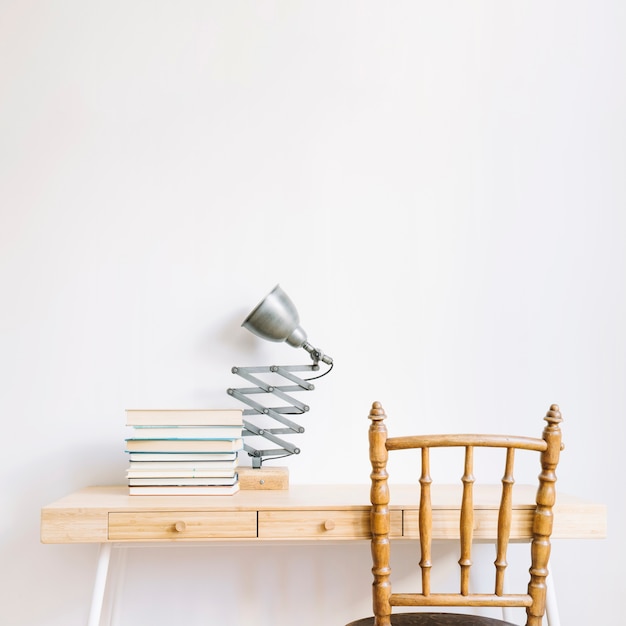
<point>534,601</point>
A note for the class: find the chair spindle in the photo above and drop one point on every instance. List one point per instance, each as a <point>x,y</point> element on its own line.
<point>425,522</point>
<point>504,521</point>
<point>467,520</point>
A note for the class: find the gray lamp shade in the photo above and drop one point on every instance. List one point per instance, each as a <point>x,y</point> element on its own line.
<point>275,318</point>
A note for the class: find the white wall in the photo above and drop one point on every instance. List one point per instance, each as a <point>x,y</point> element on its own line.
<point>439,186</point>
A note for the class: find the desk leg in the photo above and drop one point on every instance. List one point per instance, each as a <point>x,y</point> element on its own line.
<point>552,609</point>
<point>508,615</point>
<point>97,598</point>
<point>117,583</point>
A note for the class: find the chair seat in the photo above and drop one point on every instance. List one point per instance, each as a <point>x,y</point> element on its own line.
<point>435,619</point>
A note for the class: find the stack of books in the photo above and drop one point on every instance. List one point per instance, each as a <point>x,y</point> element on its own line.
<point>183,452</point>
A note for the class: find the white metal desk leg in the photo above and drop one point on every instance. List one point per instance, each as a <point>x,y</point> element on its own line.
<point>117,582</point>
<point>552,609</point>
<point>507,612</point>
<point>99,586</point>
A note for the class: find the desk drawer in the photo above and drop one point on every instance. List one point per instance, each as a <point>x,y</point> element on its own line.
<point>173,525</point>
<point>321,524</point>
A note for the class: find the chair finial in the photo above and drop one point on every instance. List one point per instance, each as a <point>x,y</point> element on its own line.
<point>377,413</point>
<point>553,416</point>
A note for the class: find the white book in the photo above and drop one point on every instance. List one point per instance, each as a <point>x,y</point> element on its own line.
<point>195,490</point>
<point>184,417</point>
<point>181,456</point>
<point>171,466</point>
<point>184,445</point>
<point>185,432</point>
<point>229,480</point>
<point>224,473</point>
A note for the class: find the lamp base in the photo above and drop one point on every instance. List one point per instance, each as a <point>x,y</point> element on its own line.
<point>263,478</point>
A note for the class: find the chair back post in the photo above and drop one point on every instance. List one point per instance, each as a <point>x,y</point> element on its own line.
<point>380,522</point>
<point>543,518</point>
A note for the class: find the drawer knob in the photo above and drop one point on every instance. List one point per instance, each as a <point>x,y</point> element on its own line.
<point>180,527</point>
<point>329,524</point>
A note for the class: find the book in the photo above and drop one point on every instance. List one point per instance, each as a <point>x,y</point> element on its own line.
<point>184,445</point>
<point>173,466</point>
<point>185,432</point>
<point>185,457</point>
<point>190,490</point>
<point>224,473</point>
<point>184,417</point>
<point>182,482</point>
<point>176,451</point>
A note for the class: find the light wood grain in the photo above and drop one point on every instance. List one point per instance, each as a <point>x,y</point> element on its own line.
<point>74,525</point>
<point>331,524</point>
<point>181,525</point>
<point>83,516</point>
<point>501,518</point>
<point>265,477</point>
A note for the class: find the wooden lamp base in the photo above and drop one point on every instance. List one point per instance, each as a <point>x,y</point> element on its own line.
<point>263,478</point>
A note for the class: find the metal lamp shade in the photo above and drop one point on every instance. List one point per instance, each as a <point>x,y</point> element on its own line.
<point>275,318</point>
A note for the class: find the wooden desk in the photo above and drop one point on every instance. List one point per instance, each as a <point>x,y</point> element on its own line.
<point>109,516</point>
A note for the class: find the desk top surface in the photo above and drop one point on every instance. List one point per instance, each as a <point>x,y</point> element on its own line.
<point>308,496</point>
<point>585,519</point>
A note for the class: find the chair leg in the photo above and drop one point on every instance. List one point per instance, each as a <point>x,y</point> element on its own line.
<point>99,587</point>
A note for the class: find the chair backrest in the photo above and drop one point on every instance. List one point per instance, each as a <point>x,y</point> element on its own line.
<point>548,448</point>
